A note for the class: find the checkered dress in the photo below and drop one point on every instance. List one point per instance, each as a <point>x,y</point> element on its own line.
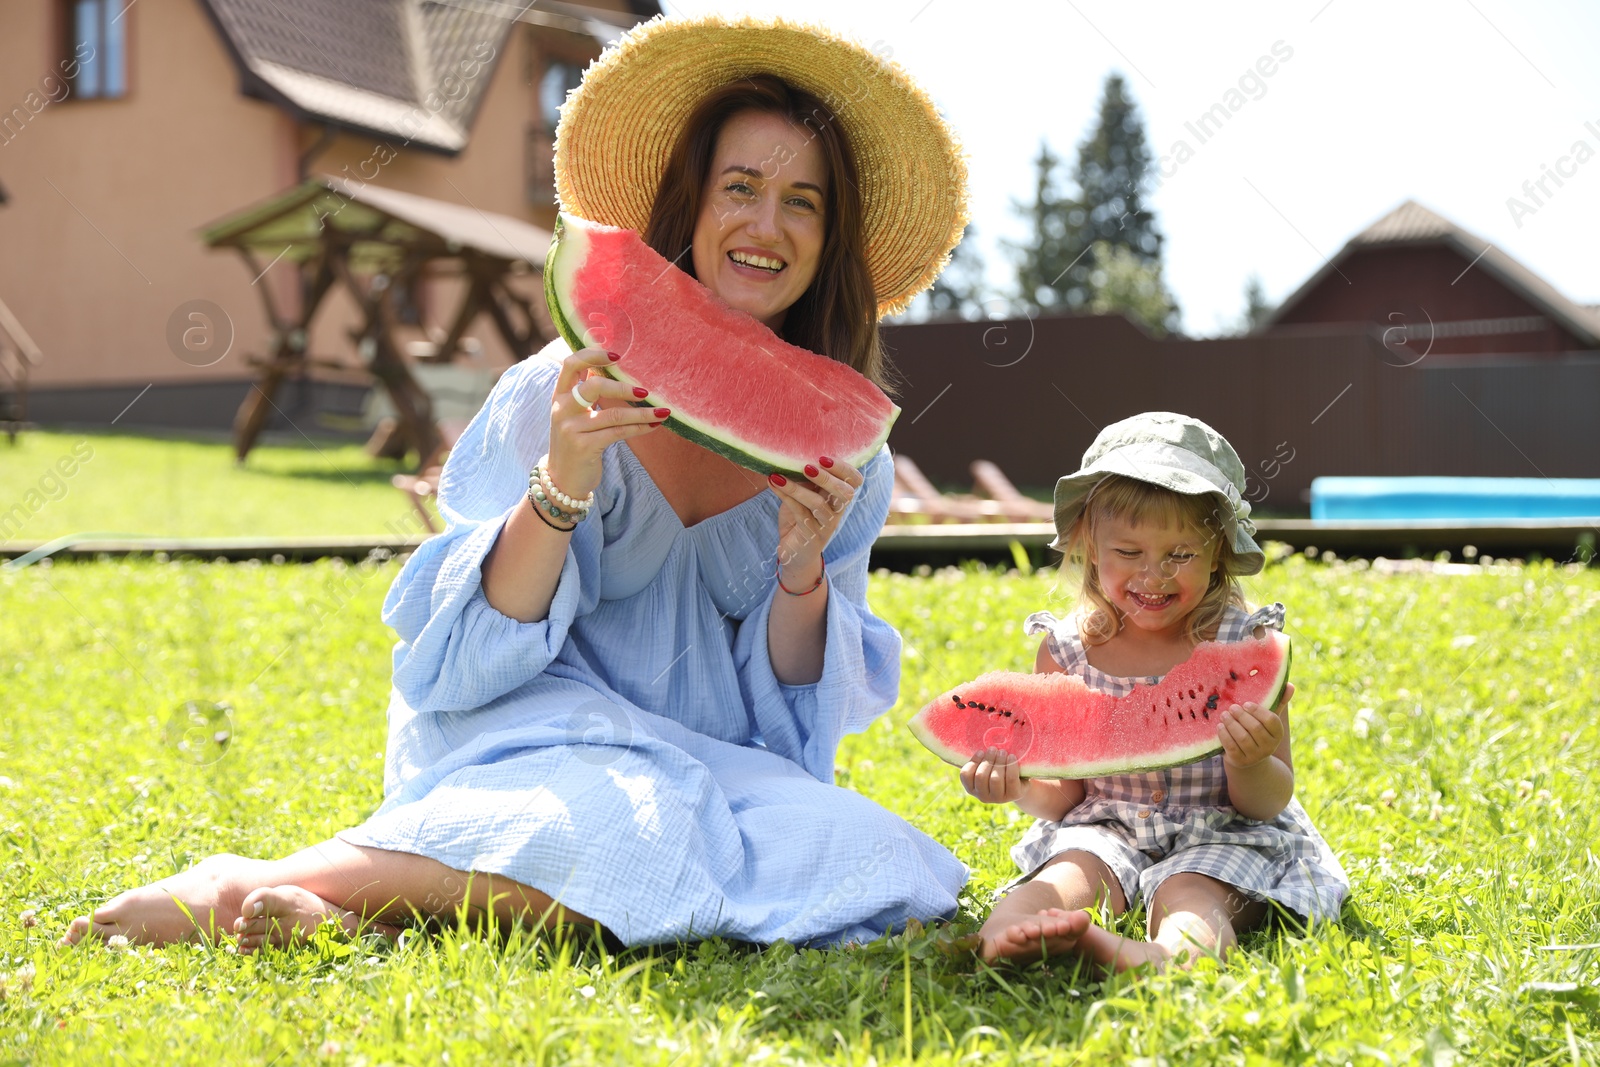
<point>1148,827</point>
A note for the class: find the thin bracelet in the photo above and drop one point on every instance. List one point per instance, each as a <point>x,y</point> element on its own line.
<point>539,485</point>
<point>540,496</point>
<point>778,574</point>
<point>537,510</point>
<point>537,500</point>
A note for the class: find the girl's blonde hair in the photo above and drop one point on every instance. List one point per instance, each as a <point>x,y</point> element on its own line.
<point>1118,497</point>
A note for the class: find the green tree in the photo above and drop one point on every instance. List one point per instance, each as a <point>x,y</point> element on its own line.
<point>1121,281</point>
<point>1256,308</point>
<point>960,290</point>
<point>1059,270</point>
<point>1112,164</point>
<point>1053,249</point>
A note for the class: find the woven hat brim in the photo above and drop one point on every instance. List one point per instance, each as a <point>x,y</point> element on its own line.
<point>1072,492</point>
<point>619,126</point>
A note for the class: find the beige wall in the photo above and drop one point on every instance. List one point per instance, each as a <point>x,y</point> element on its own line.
<point>183,149</point>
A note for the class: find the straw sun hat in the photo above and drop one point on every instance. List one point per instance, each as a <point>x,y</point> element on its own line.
<point>619,126</point>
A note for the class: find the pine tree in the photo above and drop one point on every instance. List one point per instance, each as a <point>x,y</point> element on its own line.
<point>1256,308</point>
<point>1112,164</point>
<point>1054,249</point>
<point>1059,270</point>
<point>959,291</point>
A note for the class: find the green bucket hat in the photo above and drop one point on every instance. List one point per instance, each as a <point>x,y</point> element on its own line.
<point>1174,451</point>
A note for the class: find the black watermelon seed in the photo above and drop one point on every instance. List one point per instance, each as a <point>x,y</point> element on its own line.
<point>1204,713</point>
<point>957,700</point>
<point>1234,675</point>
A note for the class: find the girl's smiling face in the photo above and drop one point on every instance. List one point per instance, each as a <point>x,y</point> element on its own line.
<point>1154,573</point>
<point>759,235</point>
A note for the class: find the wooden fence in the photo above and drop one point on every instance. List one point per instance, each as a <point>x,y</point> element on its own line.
<point>1031,394</point>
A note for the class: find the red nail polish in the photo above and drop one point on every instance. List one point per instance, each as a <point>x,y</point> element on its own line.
<point>777,479</point>
<point>662,413</point>
<point>640,391</point>
<point>654,424</point>
<point>811,472</point>
<point>614,356</point>
<point>826,462</point>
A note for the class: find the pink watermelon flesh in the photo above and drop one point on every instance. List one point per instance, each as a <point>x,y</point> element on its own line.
<point>732,384</point>
<point>1059,727</point>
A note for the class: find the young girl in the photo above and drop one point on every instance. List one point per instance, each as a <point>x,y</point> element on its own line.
<point>1156,521</point>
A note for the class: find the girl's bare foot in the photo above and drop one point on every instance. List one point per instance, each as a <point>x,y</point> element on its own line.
<point>211,891</point>
<point>1052,932</point>
<point>1116,953</point>
<point>286,915</point>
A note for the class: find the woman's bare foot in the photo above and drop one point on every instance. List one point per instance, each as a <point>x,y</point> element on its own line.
<point>286,915</point>
<point>1052,932</point>
<point>211,891</point>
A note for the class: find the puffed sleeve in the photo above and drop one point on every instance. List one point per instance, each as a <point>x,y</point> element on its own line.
<point>456,652</point>
<point>1060,636</point>
<point>861,656</point>
<point>1271,616</point>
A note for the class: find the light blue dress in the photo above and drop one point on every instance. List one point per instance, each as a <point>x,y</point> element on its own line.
<point>633,755</point>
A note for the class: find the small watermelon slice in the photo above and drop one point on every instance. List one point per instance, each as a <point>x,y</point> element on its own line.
<point>732,384</point>
<point>1059,727</point>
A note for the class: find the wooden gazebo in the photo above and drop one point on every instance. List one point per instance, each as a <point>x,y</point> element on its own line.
<point>18,355</point>
<point>378,243</point>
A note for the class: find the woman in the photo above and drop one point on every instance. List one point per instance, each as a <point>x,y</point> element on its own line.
<point>622,679</point>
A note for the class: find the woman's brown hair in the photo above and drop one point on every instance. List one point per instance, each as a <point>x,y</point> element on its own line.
<point>837,314</point>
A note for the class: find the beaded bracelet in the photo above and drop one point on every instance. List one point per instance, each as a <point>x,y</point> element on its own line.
<point>778,573</point>
<point>543,504</point>
<point>539,511</point>
<point>556,494</point>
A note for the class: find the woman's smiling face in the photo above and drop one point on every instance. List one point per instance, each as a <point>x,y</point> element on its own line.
<point>759,235</point>
<point>1153,573</point>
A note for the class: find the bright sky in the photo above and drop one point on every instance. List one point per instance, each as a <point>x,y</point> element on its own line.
<point>1453,103</point>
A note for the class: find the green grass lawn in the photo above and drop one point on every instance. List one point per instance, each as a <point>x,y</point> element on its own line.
<point>166,487</point>
<point>1445,742</point>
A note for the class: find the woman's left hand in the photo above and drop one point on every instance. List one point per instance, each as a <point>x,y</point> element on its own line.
<point>810,515</point>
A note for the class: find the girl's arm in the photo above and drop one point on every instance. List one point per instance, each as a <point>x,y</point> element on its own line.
<point>1256,757</point>
<point>992,777</point>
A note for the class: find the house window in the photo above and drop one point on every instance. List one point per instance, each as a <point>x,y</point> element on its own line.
<point>559,79</point>
<point>96,48</point>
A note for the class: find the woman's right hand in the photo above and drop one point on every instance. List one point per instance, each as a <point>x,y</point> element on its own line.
<point>993,777</point>
<point>579,436</point>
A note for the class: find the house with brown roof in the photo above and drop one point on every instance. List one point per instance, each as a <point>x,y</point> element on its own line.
<point>1417,349</point>
<point>126,128</point>
<point>1429,288</point>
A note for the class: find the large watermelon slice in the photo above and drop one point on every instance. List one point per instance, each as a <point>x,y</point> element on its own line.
<point>1061,728</point>
<point>732,384</point>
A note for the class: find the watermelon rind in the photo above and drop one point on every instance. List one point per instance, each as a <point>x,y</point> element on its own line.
<point>560,266</point>
<point>1169,756</point>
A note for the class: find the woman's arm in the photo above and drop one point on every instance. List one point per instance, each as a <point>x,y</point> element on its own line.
<point>859,675</point>
<point>797,628</point>
<point>521,571</point>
